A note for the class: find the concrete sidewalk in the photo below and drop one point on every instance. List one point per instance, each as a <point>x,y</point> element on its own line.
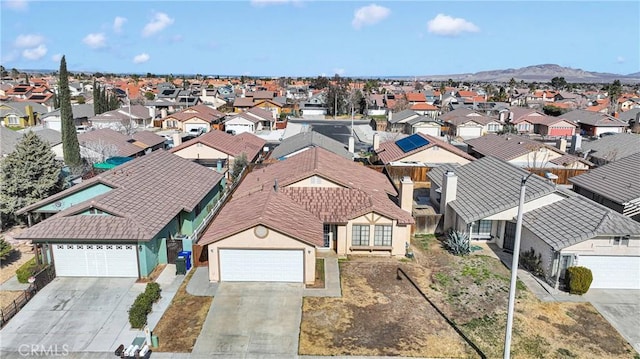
<point>12,284</point>
<point>331,279</point>
<point>199,284</point>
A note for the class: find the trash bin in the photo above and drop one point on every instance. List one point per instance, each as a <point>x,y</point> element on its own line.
<point>154,341</point>
<point>181,266</point>
<point>187,255</point>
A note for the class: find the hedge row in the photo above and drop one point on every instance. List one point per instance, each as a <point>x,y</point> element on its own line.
<point>141,307</point>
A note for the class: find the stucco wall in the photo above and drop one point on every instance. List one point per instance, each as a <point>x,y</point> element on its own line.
<point>202,152</point>
<point>529,240</point>
<point>313,182</point>
<point>436,155</point>
<point>604,246</point>
<point>274,240</point>
<point>75,198</point>
<point>399,237</point>
<point>511,213</point>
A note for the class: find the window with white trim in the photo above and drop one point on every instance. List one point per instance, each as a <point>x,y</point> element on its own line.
<point>382,235</point>
<point>481,228</point>
<point>13,120</point>
<point>360,235</point>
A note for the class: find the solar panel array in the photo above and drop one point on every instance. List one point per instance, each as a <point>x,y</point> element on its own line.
<point>412,142</point>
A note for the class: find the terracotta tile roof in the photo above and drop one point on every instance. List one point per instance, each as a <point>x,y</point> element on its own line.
<point>142,202</point>
<point>269,208</point>
<point>232,145</point>
<point>389,151</point>
<point>243,102</point>
<point>423,106</point>
<point>108,136</point>
<point>320,162</point>
<point>149,138</point>
<point>416,97</point>
<point>467,93</point>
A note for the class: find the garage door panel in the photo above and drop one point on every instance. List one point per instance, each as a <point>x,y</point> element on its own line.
<point>614,272</point>
<point>95,260</point>
<point>248,265</point>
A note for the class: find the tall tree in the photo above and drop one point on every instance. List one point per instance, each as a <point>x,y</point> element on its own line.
<point>558,83</point>
<point>70,146</point>
<point>96,96</point>
<point>28,174</point>
<point>614,91</point>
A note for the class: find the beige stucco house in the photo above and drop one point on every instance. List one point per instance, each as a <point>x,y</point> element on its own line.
<point>420,148</point>
<point>282,214</point>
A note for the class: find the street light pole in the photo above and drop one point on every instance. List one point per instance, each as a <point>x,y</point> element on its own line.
<point>514,269</point>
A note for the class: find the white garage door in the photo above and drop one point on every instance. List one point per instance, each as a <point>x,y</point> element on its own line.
<point>95,260</point>
<point>194,126</point>
<point>469,132</point>
<point>613,271</point>
<point>257,265</point>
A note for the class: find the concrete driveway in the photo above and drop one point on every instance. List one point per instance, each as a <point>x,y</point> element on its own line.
<point>74,315</point>
<point>621,308</point>
<point>252,318</point>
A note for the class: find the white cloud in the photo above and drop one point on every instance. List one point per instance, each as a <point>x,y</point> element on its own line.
<point>34,54</point>
<point>95,41</point>
<point>369,15</point>
<point>620,60</point>
<point>143,57</point>
<point>339,71</point>
<point>446,25</point>
<point>19,5</point>
<point>159,22</point>
<point>118,22</point>
<point>29,40</point>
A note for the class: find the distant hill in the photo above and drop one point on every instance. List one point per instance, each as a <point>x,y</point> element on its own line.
<point>538,73</point>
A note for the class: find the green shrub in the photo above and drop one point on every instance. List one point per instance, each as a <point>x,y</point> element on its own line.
<point>532,262</point>
<point>26,270</point>
<point>141,307</point>
<point>579,279</point>
<point>5,249</point>
<point>457,243</point>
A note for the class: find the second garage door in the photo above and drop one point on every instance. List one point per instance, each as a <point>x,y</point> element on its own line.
<point>614,272</point>
<point>95,260</point>
<point>259,265</point>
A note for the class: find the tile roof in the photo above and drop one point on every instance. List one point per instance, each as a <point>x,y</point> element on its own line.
<point>149,138</point>
<point>8,140</point>
<point>142,202</point>
<point>576,219</point>
<point>463,115</point>
<point>304,140</point>
<point>269,208</point>
<point>488,186</point>
<point>423,106</point>
<point>243,102</point>
<point>617,181</point>
<point>79,111</point>
<point>416,97</point>
<point>108,136</point>
<point>402,116</point>
<point>390,152</point>
<point>593,118</point>
<point>507,147</point>
<point>246,143</point>
<point>613,147</point>
<point>203,112</point>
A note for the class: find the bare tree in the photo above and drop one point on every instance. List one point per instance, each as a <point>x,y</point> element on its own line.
<point>94,152</point>
<point>538,156</point>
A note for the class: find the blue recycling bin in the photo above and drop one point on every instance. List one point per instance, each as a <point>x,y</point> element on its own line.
<point>187,256</point>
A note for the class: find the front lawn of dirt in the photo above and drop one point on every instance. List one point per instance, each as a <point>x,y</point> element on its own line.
<point>319,280</point>
<point>181,323</point>
<point>381,315</point>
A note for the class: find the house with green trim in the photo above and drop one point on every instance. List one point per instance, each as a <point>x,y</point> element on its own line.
<point>125,221</point>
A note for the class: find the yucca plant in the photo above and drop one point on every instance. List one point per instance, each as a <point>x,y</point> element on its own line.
<point>458,243</point>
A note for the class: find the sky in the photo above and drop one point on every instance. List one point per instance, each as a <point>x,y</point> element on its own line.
<point>314,38</point>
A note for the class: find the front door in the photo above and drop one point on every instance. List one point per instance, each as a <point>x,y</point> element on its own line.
<point>173,247</point>
<point>509,236</point>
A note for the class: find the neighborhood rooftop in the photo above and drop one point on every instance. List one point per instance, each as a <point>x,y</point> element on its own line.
<point>617,181</point>
<point>303,140</point>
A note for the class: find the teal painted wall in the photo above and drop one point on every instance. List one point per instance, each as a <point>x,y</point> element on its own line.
<point>162,253</point>
<point>187,245</point>
<point>149,258</point>
<point>75,198</point>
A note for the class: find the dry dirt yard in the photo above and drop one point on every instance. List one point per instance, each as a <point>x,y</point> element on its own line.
<point>8,267</point>
<point>380,315</point>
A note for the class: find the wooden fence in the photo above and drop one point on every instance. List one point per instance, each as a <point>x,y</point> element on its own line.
<point>395,173</point>
<point>563,173</point>
<point>42,278</point>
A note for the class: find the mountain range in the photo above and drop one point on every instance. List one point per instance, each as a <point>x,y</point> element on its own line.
<point>538,73</point>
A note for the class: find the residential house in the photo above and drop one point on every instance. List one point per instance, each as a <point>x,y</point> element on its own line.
<point>527,120</point>
<point>421,149</point>
<point>614,185</point>
<point>423,124</point>
<point>81,115</point>
<point>416,98</point>
<point>315,105</point>
<point>466,124</point>
<point>193,118</point>
<point>273,106</point>
<point>632,117</point>
<point>425,109</point>
<point>253,120</point>
<point>100,144</point>
<point>126,221</point>
<point>396,122</point>
<point>313,201</point>
<point>21,114</point>
<point>218,149</point>
<point>241,104</point>
<point>10,138</point>
<point>304,141</point>
<point>595,123</point>
<point>577,231</point>
<point>209,96</point>
<point>123,119</point>
<point>375,105</point>
<point>610,148</point>
<point>523,152</point>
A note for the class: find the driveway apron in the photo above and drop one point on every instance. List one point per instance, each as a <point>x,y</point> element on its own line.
<point>252,318</point>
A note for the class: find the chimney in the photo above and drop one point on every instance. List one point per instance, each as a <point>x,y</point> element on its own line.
<point>243,93</point>
<point>562,144</point>
<point>576,143</point>
<point>390,115</point>
<point>376,141</point>
<point>163,113</point>
<point>177,139</point>
<point>449,190</point>
<point>406,194</point>
<point>352,144</point>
